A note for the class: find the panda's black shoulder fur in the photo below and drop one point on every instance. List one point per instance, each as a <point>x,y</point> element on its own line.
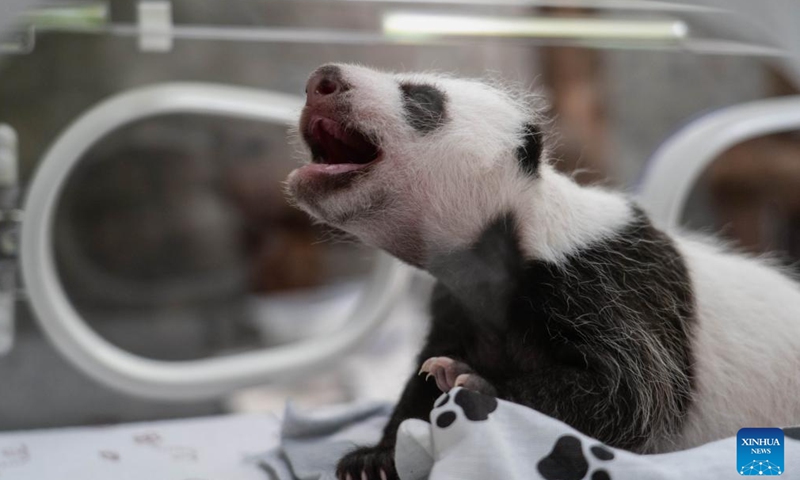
<point>599,340</point>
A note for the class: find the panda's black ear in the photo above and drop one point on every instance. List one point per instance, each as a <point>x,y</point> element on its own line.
<point>529,153</point>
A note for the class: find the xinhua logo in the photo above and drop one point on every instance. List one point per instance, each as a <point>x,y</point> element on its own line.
<point>759,451</point>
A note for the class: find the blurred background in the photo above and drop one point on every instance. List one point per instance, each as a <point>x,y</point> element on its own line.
<point>173,237</point>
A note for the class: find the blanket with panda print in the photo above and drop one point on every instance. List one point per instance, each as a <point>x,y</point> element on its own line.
<point>475,437</point>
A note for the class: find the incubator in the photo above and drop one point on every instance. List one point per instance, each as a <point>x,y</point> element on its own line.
<point>164,282</point>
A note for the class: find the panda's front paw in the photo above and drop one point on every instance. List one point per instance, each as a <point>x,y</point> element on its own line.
<point>368,463</point>
<point>450,373</point>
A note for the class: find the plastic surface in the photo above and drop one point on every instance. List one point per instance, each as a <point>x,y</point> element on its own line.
<point>682,159</point>
<point>184,380</point>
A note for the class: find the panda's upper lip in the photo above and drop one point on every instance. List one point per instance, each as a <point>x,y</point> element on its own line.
<point>332,143</point>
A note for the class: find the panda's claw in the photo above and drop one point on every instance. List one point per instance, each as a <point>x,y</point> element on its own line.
<point>445,370</point>
<point>428,365</point>
<point>367,463</point>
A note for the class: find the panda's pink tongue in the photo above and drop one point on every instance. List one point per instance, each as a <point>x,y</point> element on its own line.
<point>339,146</point>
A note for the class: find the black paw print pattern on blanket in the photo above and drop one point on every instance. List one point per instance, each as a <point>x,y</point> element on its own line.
<point>476,407</point>
<point>567,462</point>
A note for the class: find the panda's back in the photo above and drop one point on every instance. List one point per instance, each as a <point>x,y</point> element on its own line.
<point>745,344</point>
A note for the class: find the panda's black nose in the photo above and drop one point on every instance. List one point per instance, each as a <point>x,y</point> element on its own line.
<point>325,82</point>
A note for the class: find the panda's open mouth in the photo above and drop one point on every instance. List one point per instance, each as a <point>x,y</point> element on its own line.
<point>336,148</point>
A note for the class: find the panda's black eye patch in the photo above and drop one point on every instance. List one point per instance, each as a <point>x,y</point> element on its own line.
<point>424,106</point>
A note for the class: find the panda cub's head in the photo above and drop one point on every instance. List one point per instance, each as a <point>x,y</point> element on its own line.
<point>416,164</point>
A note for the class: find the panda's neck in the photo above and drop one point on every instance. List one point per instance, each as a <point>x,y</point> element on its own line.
<point>553,217</point>
<point>557,217</point>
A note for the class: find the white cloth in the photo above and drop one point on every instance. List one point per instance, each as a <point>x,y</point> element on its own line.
<point>472,436</point>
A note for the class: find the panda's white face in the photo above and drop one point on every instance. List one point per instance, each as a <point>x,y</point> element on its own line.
<point>412,163</point>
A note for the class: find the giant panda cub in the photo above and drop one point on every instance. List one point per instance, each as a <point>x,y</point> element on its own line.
<point>557,296</point>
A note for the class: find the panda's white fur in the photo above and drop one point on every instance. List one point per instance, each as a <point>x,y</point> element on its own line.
<point>433,193</point>
<point>746,343</point>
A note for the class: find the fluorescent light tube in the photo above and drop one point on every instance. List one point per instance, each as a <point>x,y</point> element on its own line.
<point>412,24</point>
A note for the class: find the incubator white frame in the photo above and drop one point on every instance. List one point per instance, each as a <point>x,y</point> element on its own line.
<point>174,380</point>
